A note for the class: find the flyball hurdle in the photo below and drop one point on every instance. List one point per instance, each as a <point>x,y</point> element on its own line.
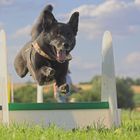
<point>66,115</point>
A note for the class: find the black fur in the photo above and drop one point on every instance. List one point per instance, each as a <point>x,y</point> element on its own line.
<point>55,39</point>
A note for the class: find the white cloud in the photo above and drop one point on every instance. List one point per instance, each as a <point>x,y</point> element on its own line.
<point>22,32</point>
<point>119,16</point>
<point>129,65</point>
<point>137,2</point>
<point>6,2</point>
<point>133,58</point>
<point>102,9</point>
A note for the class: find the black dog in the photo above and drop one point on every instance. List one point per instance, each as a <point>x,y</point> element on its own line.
<point>47,56</point>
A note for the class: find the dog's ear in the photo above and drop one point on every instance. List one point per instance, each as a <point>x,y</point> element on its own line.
<point>48,20</point>
<point>73,22</point>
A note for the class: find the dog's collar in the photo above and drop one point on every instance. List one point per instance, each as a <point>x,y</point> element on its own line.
<point>40,51</point>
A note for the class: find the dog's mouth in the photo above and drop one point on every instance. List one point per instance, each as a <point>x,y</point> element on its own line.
<point>61,55</point>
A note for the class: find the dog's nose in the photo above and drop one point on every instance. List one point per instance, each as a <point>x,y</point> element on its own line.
<point>66,45</point>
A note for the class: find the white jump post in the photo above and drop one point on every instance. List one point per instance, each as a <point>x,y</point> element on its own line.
<point>12,91</point>
<point>3,78</point>
<point>39,94</point>
<point>108,87</point>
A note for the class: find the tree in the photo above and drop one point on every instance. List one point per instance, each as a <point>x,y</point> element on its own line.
<point>124,94</point>
<point>137,81</point>
<point>25,94</point>
<point>89,95</point>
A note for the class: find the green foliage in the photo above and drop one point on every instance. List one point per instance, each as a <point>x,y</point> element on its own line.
<point>96,82</point>
<point>25,94</point>
<point>128,81</point>
<point>89,95</point>
<point>124,94</point>
<point>132,81</point>
<point>28,94</point>
<point>49,97</point>
<point>137,81</point>
<point>137,99</point>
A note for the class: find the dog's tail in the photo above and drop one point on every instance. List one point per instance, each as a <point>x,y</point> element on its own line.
<point>37,27</point>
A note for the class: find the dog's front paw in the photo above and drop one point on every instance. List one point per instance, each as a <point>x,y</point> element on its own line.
<point>47,71</point>
<point>64,89</point>
<point>45,75</point>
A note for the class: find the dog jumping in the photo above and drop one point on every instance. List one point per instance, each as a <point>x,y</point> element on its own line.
<point>46,57</point>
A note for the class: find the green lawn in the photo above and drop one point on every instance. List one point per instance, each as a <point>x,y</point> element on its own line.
<point>137,99</point>
<point>129,130</point>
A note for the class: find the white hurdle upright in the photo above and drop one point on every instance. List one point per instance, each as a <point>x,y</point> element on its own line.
<point>39,94</point>
<point>108,87</point>
<point>3,78</point>
<point>66,115</point>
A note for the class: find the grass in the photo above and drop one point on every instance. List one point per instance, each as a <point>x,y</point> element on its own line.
<point>129,130</point>
<point>137,99</point>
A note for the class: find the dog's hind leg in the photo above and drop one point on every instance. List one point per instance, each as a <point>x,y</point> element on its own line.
<point>20,65</point>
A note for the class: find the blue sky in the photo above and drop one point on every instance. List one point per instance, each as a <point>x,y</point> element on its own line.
<point>121,17</point>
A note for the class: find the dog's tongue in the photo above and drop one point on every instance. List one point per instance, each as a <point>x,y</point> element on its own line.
<point>61,55</point>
